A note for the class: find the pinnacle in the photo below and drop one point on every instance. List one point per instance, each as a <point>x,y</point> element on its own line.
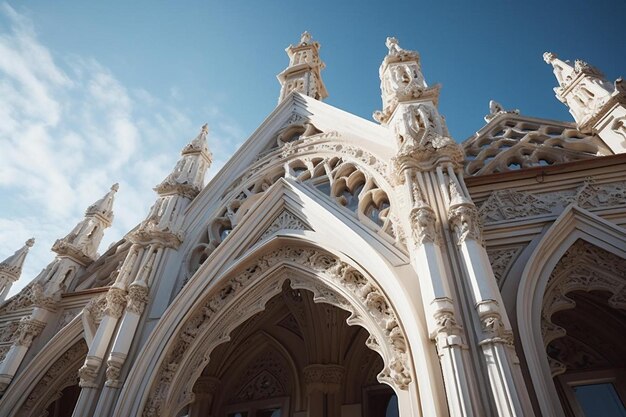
<point>30,242</point>
<point>549,57</point>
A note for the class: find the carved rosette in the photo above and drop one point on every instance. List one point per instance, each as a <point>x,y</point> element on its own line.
<point>465,223</point>
<point>216,314</point>
<point>116,301</point>
<point>137,298</point>
<point>27,330</point>
<point>323,378</point>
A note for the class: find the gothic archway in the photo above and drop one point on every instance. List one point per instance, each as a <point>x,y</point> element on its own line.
<point>537,290</point>
<point>244,292</point>
<point>56,382</point>
<point>296,356</point>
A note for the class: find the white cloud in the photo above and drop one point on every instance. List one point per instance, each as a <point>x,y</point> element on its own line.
<point>68,130</point>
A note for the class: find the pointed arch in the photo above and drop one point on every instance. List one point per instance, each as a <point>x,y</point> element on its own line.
<point>573,224</point>
<point>324,260</point>
<point>66,351</point>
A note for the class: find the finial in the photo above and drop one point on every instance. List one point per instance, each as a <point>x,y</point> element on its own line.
<point>549,57</point>
<point>205,128</point>
<point>305,38</point>
<point>496,109</point>
<point>115,187</point>
<point>30,242</point>
<point>393,45</point>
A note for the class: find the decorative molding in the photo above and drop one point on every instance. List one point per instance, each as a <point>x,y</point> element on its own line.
<point>584,267</point>
<point>116,302</point>
<point>216,316</point>
<point>509,205</point>
<point>137,298</point>
<point>286,220</point>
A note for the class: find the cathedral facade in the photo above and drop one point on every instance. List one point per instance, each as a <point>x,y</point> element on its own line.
<point>337,267</point>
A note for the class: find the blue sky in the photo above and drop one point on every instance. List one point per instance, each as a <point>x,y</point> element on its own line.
<point>93,93</point>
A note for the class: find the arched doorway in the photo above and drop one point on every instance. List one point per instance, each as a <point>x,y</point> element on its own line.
<point>584,331</point>
<point>295,358</point>
<point>184,341</point>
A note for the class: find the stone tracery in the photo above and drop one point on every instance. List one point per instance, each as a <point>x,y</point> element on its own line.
<point>339,174</point>
<point>584,267</point>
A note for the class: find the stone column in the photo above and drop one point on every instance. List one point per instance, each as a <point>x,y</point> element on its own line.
<point>495,334</point>
<point>323,383</point>
<point>441,316</point>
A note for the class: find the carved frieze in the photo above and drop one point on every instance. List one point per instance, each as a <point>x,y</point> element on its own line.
<point>508,204</point>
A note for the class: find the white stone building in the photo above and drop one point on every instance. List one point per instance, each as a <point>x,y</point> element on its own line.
<point>337,267</point>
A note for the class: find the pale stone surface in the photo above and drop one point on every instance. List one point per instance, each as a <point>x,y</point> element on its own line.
<point>335,262</point>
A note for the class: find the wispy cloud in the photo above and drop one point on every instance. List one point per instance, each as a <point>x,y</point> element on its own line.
<point>68,130</point>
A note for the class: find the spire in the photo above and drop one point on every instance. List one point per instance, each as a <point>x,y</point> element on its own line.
<point>11,268</point>
<point>303,73</point>
<point>410,109</point>
<point>583,89</point>
<point>82,242</point>
<point>187,177</point>
<point>401,80</point>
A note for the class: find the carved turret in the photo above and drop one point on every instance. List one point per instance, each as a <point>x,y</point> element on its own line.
<point>81,244</point>
<point>187,178</point>
<point>162,225</point>
<point>597,105</point>
<point>11,268</point>
<point>410,109</point>
<point>304,71</point>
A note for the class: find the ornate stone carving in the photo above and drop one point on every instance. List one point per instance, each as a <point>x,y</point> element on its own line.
<point>511,142</point>
<point>137,298</point>
<point>508,204</point>
<point>323,378</point>
<point>267,376</point>
<point>584,267</point>
<point>95,308</point>
<point>285,220</point>
<point>464,221</point>
<point>27,330</point>
<point>392,347</point>
<point>116,301</point>
<point>501,259</point>
<point>423,220</point>
<point>423,138</point>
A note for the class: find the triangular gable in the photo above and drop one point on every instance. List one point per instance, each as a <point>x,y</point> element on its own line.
<point>511,142</point>
<point>298,110</point>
